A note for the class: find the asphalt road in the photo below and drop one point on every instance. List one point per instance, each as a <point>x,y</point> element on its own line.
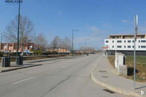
<point>64,77</point>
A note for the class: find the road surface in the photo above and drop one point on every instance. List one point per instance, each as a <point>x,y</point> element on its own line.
<point>65,77</point>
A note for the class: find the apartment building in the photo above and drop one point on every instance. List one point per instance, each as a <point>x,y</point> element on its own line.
<point>12,47</point>
<point>125,44</point>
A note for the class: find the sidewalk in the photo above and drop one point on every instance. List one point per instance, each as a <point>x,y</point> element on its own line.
<point>105,75</point>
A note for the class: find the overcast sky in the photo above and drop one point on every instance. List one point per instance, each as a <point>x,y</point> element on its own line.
<point>95,19</point>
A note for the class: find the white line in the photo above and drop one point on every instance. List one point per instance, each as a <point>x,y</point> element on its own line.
<point>23,80</point>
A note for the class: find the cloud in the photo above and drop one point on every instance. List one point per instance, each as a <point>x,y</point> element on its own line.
<point>59,12</point>
<point>124,21</point>
<point>96,31</point>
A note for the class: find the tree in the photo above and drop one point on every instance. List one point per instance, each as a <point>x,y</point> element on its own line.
<point>55,42</point>
<point>68,43</point>
<point>40,41</point>
<point>26,28</point>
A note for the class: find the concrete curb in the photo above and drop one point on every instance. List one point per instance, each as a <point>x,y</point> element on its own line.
<point>1,71</point>
<point>115,89</point>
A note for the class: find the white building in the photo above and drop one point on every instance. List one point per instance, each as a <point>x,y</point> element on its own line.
<point>125,44</point>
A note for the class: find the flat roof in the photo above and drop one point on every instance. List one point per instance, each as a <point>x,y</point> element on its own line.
<point>124,34</point>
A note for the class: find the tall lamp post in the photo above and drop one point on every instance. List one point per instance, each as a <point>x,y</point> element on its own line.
<point>18,29</point>
<point>16,1</point>
<point>1,42</point>
<point>85,44</point>
<point>19,61</point>
<point>72,40</point>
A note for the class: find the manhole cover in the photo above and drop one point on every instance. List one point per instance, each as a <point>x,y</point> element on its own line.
<point>109,91</point>
<point>102,71</point>
<point>105,76</point>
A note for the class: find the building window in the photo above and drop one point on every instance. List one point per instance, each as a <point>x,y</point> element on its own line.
<point>129,46</point>
<point>143,46</point>
<point>112,41</point>
<point>113,37</point>
<point>124,46</point>
<point>138,46</point>
<point>119,46</point>
<point>129,41</point>
<point>106,41</point>
<point>124,41</point>
<point>132,40</point>
<point>142,41</point>
<point>139,41</point>
<point>112,46</point>
<point>142,36</point>
<point>133,46</point>
<point>119,41</point>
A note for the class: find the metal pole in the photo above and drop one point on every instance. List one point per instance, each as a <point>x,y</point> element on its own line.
<point>18,28</point>
<point>135,30</point>
<point>1,41</point>
<point>116,47</point>
<point>85,45</point>
<point>72,42</point>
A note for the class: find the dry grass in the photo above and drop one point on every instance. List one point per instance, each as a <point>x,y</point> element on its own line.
<point>140,67</point>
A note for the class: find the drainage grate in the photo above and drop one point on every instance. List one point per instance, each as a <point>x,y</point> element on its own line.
<point>102,71</point>
<point>105,76</point>
<point>107,90</point>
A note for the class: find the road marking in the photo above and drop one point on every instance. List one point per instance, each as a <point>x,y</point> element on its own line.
<point>23,80</point>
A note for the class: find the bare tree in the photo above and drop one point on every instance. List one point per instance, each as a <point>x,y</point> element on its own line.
<point>68,43</point>
<point>55,42</point>
<point>25,31</point>
<point>62,44</point>
<point>40,41</point>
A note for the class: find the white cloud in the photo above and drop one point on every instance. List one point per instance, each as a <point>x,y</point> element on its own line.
<point>124,21</point>
<point>96,31</point>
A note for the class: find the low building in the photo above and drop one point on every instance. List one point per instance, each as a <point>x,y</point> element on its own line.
<point>12,47</point>
<point>58,50</point>
<point>124,43</point>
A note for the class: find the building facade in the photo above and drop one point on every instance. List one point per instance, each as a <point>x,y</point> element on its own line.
<point>125,44</point>
<point>12,47</point>
<point>58,50</point>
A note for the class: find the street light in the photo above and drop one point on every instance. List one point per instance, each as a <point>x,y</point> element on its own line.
<point>85,44</point>
<point>16,1</point>
<point>72,39</point>
<point>1,42</point>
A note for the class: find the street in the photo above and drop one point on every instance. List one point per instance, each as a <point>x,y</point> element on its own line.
<point>64,77</point>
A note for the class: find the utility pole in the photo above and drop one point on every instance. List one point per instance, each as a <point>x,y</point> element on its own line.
<point>85,44</point>
<point>135,36</point>
<point>18,29</point>
<point>72,40</point>
<point>1,42</point>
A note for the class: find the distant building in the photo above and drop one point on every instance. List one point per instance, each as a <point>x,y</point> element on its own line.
<point>12,47</point>
<point>58,50</point>
<point>124,43</point>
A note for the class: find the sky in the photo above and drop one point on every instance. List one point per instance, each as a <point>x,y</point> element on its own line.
<point>95,19</point>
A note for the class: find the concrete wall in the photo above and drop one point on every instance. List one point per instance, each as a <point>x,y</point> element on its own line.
<point>138,53</point>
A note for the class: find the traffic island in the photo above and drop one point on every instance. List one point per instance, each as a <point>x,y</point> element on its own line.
<point>16,67</point>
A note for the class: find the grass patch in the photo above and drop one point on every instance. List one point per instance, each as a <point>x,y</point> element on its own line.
<point>140,67</point>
